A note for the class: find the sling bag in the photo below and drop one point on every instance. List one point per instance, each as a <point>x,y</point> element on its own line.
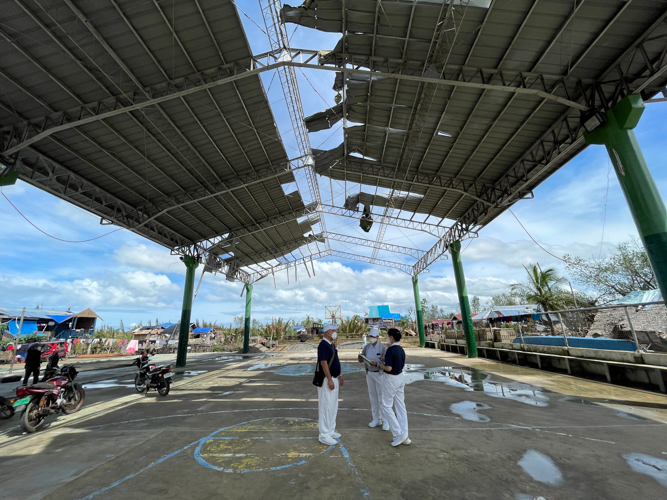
<point>318,377</point>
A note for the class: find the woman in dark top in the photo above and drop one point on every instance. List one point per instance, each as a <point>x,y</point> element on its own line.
<point>393,396</point>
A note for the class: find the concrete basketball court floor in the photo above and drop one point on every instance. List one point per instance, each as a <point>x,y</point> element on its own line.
<point>247,428</point>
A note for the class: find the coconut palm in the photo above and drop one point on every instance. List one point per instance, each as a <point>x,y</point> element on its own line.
<point>353,325</point>
<point>545,289</point>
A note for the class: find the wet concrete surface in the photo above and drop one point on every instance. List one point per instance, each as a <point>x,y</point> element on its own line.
<point>479,431</point>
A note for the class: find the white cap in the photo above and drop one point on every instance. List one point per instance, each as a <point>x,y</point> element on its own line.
<point>374,332</point>
<point>329,326</point>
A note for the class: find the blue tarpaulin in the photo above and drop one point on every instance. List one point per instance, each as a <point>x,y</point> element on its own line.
<point>28,326</point>
<point>58,318</point>
<point>202,330</point>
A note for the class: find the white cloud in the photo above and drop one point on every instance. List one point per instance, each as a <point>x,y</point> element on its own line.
<point>129,290</point>
<point>152,258</point>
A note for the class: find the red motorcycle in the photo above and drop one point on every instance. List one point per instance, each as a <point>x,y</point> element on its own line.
<point>57,395</point>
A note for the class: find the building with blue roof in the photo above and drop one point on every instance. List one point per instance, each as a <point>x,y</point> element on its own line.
<point>381,316</point>
<point>49,323</point>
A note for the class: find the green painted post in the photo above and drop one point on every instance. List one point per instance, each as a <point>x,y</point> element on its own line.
<point>418,308</point>
<point>455,251</point>
<point>246,326</point>
<point>641,193</point>
<point>184,332</point>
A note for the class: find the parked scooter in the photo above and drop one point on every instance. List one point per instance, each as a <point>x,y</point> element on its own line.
<point>57,395</point>
<point>151,376</point>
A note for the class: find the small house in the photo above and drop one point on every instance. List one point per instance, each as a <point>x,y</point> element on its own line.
<point>381,316</point>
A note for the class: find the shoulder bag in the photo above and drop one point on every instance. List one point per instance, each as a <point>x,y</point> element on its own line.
<point>318,377</point>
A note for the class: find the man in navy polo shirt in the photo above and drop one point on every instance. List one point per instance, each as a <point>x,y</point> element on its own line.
<point>327,395</point>
<point>393,391</point>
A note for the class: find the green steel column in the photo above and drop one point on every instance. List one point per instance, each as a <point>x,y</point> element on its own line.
<point>455,251</point>
<point>184,332</point>
<point>246,326</point>
<point>418,308</point>
<point>641,193</point>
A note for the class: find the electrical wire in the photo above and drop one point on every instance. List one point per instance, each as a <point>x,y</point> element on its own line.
<point>534,240</point>
<point>55,237</point>
<point>547,251</point>
<point>604,220</point>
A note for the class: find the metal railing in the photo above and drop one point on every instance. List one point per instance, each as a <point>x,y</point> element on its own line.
<point>644,323</point>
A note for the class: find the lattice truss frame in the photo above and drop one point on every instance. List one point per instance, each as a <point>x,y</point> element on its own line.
<point>640,69</point>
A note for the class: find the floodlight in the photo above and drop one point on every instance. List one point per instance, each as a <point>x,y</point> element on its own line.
<point>592,119</point>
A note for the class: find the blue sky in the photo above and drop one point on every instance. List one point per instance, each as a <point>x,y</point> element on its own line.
<point>123,276</point>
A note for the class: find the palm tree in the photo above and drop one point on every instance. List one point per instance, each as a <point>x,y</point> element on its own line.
<point>543,288</point>
<point>353,325</point>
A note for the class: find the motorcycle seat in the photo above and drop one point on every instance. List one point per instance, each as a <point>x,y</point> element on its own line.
<point>41,385</point>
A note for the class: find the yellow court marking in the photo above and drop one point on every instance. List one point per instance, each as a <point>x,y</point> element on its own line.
<point>261,445</point>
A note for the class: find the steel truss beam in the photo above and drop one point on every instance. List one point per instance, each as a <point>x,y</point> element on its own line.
<point>406,268</point>
<point>228,239</point>
<point>354,240</point>
<point>486,193</point>
<point>50,176</point>
<point>204,193</point>
<point>243,260</point>
<point>256,276</point>
<point>565,137</point>
<point>438,231</point>
<point>279,42</point>
<point>25,133</point>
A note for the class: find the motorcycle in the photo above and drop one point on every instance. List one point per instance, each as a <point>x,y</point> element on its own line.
<point>57,395</point>
<point>151,376</point>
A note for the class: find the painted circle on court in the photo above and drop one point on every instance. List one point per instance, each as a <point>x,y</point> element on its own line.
<point>261,445</point>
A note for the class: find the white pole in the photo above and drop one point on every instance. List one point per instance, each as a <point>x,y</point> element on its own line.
<point>16,345</point>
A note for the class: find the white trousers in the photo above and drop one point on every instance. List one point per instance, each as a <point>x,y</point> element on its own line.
<point>327,408</point>
<point>393,395</point>
<point>374,380</point>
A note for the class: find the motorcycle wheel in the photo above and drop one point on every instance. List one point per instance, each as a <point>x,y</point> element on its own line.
<point>74,401</point>
<point>140,383</point>
<point>163,387</point>
<point>31,420</point>
<point>6,411</point>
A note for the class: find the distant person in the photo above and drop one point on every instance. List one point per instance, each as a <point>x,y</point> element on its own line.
<point>33,359</point>
<point>327,395</point>
<point>393,396</point>
<point>375,351</point>
<point>51,366</point>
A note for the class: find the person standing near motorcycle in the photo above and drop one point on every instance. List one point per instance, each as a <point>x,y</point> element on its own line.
<point>33,359</point>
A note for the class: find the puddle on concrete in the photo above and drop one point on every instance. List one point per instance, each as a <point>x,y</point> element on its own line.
<point>541,468</point>
<point>411,368</point>
<point>222,359</point>
<point>108,384</point>
<point>227,393</point>
<point>523,496</point>
<point>302,370</point>
<point>469,410</point>
<point>193,373</point>
<point>264,366</point>
<point>629,416</point>
<point>651,466</point>
<point>578,401</point>
<point>470,379</point>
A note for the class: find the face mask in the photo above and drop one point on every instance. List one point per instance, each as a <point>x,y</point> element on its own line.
<point>374,340</point>
<point>334,335</point>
